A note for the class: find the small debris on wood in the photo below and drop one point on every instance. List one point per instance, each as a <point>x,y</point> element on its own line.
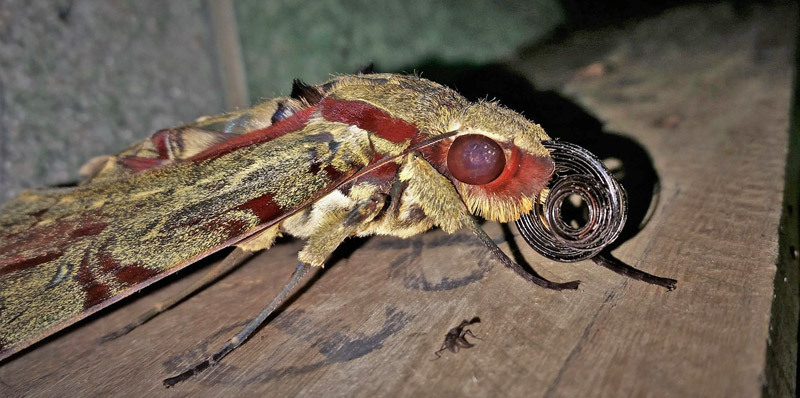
<point>456,337</point>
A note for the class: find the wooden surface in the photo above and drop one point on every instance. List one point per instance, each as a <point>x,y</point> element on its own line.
<point>784,327</point>
<point>704,91</point>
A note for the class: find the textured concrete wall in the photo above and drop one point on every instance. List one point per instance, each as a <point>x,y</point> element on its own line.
<point>81,81</point>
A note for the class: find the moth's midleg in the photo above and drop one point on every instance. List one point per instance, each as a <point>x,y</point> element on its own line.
<point>241,337</point>
<point>234,259</point>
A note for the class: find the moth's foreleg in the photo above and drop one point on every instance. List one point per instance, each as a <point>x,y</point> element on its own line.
<point>233,260</point>
<point>338,226</point>
<point>241,337</point>
<point>530,277</point>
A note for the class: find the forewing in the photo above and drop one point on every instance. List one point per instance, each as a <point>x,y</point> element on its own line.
<point>67,253</point>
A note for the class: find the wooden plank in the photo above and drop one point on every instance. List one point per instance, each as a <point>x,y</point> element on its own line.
<point>782,351</point>
<point>703,90</point>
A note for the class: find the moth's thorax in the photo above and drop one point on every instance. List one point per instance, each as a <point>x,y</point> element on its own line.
<point>430,107</point>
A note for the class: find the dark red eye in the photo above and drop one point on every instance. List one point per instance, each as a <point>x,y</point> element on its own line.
<point>475,159</point>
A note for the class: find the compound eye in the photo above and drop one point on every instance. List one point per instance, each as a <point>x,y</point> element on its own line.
<point>475,159</point>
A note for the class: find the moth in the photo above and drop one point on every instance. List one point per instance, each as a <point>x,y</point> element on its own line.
<point>359,155</point>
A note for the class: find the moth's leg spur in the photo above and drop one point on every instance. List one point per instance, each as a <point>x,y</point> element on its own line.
<point>234,259</point>
<point>530,277</point>
<point>244,334</point>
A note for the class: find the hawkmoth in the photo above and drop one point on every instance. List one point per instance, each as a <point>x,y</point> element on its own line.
<point>355,156</point>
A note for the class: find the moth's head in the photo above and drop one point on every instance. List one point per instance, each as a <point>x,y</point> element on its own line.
<point>496,161</point>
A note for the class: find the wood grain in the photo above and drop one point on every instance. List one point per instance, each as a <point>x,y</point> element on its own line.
<point>703,90</point>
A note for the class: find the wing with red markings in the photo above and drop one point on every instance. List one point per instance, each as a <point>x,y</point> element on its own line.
<point>187,192</point>
<point>66,253</point>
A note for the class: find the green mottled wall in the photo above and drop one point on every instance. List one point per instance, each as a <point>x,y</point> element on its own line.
<point>284,39</point>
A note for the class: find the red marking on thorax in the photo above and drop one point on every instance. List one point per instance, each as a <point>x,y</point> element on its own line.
<point>436,155</point>
<point>368,117</point>
<point>282,127</point>
<point>383,176</point>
